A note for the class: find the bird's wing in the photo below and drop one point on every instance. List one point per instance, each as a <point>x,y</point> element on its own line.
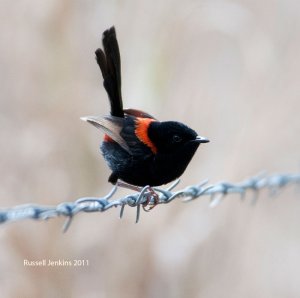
<point>110,125</point>
<point>129,132</point>
<point>135,132</point>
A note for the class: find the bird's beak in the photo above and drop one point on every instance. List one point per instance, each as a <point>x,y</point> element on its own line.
<point>200,139</point>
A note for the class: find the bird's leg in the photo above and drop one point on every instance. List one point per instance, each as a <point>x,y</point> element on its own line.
<point>151,193</point>
<point>121,183</point>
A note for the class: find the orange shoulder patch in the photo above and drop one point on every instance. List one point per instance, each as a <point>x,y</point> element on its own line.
<point>141,131</point>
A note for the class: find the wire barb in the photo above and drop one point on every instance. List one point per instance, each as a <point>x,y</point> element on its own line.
<point>216,192</point>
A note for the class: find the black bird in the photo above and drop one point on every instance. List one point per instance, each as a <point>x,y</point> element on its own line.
<point>139,149</point>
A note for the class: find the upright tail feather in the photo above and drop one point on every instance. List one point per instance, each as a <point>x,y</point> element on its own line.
<point>109,62</point>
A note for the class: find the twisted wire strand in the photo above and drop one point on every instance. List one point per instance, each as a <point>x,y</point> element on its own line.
<point>216,192</point>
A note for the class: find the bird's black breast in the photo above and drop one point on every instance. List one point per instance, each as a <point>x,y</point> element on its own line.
<point>153,170</point>
<point>129,167</point>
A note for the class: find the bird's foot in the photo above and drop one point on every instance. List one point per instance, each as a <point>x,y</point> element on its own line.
<point>149,193</point>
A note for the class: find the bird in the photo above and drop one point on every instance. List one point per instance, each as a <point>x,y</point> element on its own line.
<point>139,149</point>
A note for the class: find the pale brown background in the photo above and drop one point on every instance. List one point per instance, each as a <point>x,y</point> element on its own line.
<point>229,69</point>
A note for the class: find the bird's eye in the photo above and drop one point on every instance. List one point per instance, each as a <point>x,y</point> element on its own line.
<point>176,139</point>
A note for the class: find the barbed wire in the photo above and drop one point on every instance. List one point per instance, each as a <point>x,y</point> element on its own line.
<point>216,192</point>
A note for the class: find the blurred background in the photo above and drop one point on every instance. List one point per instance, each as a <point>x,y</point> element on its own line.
<point>228,69</point>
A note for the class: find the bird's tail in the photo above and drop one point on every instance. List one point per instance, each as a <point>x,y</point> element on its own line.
<point>109,62</point>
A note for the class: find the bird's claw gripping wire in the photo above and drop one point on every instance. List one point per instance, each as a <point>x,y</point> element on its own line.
<point>147,192</point>
<point>150,194</point>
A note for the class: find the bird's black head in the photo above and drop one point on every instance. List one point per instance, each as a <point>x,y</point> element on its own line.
<point>172,137</point>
